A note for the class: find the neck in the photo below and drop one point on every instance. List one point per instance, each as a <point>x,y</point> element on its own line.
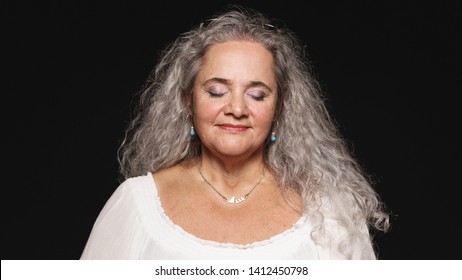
<point>231,175</point>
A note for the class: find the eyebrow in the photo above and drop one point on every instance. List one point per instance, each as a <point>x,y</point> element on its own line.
<point>228,82</point>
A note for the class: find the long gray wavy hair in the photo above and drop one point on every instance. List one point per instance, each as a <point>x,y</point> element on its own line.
<point>309,157</point>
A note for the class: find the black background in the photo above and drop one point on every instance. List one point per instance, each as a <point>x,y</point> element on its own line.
<point>390,70</point>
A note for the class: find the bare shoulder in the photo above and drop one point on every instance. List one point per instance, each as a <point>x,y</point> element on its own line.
<point>169,175</point>
<point>174,181</point>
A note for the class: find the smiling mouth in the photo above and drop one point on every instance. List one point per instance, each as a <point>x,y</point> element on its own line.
<point>234,128</point>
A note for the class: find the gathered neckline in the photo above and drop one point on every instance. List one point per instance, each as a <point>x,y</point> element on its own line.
<point>263,243</point>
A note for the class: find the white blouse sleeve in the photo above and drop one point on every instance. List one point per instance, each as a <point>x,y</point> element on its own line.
<point>118,232</point>
<point>359,251</point>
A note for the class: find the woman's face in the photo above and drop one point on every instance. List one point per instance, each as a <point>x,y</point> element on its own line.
<point>234,98</point>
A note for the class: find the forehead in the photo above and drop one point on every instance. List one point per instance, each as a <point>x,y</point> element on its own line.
<point>239,60</point>
<point>235,49</point>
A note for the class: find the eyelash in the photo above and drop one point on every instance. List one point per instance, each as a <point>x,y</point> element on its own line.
<point>220,94</point>
<point>216,94</point>
<point>258,98</point>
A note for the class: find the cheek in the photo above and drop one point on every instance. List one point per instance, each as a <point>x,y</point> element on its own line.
<point>264,116</point>
<point>205,112</point>
<point>266,123</point>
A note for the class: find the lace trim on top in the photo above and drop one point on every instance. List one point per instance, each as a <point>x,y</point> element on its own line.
<point>272,240</point>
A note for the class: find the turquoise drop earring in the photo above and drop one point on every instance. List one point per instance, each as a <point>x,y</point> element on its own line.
<point>273,137</point>
<point>192,132</point>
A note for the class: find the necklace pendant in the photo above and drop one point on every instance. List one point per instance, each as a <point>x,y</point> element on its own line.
<point>234,200</point>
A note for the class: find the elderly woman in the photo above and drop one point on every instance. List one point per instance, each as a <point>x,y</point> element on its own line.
<point>233,155</point>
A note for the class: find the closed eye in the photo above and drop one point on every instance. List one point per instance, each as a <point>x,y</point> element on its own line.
<point>216,93</point>
<point>258,98</point>
<point>257,95</point>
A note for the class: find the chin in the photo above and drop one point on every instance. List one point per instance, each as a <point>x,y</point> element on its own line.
<point>236,151</point>
<point>232,152</point>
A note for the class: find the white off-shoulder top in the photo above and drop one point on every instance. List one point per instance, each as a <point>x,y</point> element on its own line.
<point>133,225</point>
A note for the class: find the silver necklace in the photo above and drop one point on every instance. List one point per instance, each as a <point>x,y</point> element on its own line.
<point>234,199</point>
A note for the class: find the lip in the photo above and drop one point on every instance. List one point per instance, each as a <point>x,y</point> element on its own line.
<point>233,127</point>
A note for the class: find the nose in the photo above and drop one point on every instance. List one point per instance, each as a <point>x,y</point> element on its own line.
<point>236,106</point>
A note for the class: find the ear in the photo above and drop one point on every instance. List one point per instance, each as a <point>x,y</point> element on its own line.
<point>188,101</point>
<point>279,107</point>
